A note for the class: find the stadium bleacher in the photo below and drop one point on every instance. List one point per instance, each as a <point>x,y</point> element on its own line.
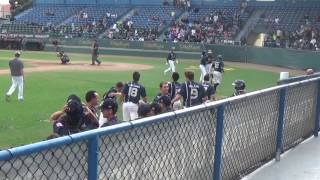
<point>197,24</point>
<point>45,15</point>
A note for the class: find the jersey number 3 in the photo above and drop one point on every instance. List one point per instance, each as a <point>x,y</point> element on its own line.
<point>133,92</point>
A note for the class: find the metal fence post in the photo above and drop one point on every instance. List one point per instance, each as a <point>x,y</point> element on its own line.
<point>317,120</point>
<point>218,146</point>
<point>282,100</point>
<point>93,158</point>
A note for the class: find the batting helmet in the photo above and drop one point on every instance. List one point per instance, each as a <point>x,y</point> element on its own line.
<point>220,57</point>
<point>239,85</point>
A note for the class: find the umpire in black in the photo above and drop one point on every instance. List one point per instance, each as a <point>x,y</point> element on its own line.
<point>95,53</point>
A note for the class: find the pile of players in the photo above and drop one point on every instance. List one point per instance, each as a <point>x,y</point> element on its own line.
<point>78,117</point>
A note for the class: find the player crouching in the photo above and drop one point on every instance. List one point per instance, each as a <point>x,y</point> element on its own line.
<point>64,58</point>
<point>239,86</point>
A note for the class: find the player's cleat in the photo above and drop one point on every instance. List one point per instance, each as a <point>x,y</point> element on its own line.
<point>7,98</point>
<point>99,63</point>
<point>20,100</point>
<point>93,64</point>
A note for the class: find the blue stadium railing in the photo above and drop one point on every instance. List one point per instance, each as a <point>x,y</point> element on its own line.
<point>220,140</point>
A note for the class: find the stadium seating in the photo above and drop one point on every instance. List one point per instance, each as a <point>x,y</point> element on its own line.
<point>20,28</point>
<point>153,17</point>
<point>200,20</point>
<point>96,13</point>
<point>290,18</point>
<point>45,15</point>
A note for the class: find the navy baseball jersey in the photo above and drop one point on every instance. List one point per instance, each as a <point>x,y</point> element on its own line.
<point>133,91</point>
<point>208,89</point>
<point>157,98</point>
<point>218,66</point>
<point>108,95</point>
<point>171,56</point>
<point>204,60</point>
<point>192,93</point>
<point>174,88</point>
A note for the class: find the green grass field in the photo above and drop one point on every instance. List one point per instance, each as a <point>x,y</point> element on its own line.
<point>27,122</point>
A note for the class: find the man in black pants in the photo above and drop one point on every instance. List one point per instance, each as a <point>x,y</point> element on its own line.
<point>95,53</point>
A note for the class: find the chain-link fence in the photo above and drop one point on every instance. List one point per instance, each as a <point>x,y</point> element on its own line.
<point>249,133</point>
<point>219,140</point>
<point>64,162</point>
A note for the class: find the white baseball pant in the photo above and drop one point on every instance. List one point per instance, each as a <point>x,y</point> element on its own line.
<point>203,72</point>
<point>208,68</point>
<point>17,81</point>
<point>130,111</point>
<point>171,68</point>
<point>217,77</point>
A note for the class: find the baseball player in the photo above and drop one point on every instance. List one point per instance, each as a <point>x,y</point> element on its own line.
<point>131,96</point>
<point>95,53</point>
<point>218,69</point>
<point>64,58</point>
<point>202,66</point>
<point>171,59</point>
<point>164,91</point>
<point>239,86</point>
<point>208,88</point>
<point>191,92</point>
<point>113,92</point>
<point>17,77</point>
<point>210,61</point>
<point>174,88</point>
<point>109,110</point>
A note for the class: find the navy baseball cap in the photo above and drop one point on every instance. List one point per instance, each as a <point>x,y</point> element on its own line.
<point>109,104</point>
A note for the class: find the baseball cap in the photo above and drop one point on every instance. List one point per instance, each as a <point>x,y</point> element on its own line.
<point>209,51</point>
<point>109,104</point>
<point>18,52</point>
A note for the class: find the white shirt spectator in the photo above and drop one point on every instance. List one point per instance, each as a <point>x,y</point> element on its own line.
<point>141,39</point>
<point>279,33</point>
<point>215,18</point>
<point>276,20</point>
<point>173,14</point>
<point>72,27</point>
<point>129,23</point>
<point>193,32</point>
<point>114,26</point>
<point>114,15</point>
<point>85,15</point>
<point>313,41</point>
<point>188,3</point>
<point>108,14</point>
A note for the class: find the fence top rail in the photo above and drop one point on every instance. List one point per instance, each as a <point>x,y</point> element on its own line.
<point>85,136</point>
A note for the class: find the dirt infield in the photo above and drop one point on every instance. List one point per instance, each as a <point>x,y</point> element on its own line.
<point>47,66</point>
<point>53,66</point>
